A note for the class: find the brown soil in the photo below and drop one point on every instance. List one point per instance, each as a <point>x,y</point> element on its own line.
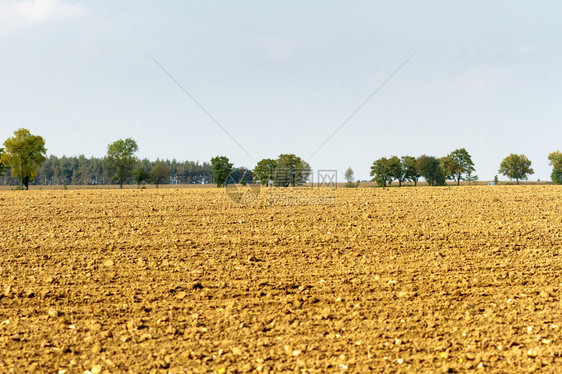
<point>376,280</point>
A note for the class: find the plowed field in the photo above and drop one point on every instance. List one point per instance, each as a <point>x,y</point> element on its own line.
<point>410,280</point>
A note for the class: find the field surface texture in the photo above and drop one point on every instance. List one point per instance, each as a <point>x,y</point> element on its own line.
<point>410,280</point>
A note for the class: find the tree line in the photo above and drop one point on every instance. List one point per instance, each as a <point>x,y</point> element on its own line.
<point>456,166</point>
<point>93,171</point>
<point>23,161</point>
<point>287,170</point>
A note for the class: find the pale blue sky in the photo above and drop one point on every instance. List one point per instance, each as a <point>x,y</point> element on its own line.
<point>282,76</point>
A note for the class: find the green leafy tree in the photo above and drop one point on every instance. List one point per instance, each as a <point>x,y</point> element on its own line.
<point>221,169</point>
<point>291,170</point>
<point>450,167</point>
<point>555,159</point>
<point>140,176</point>
<point>349,177</point>
<point>409,170</point>
<point>516,167</point>
<point>396,171</point>
<point>264,171</point>
<point>121,159</point>
<point>24,154</point>
<point>2,167</point>
<point>159,174</point>
<point>470,178</point>
<point>458,165</point>
<point>430,168</point>
<point>381,172</point>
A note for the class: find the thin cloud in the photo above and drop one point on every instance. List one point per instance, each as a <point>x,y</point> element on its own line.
<point>32,12</point>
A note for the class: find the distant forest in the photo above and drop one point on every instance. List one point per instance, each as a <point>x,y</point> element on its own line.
<point>23,162</point>
<point>94,171</point>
